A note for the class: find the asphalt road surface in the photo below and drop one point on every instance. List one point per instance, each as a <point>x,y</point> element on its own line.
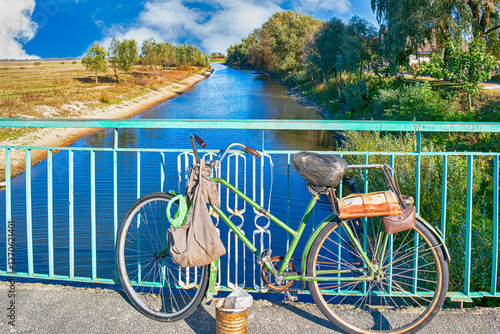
<point>43,308</point>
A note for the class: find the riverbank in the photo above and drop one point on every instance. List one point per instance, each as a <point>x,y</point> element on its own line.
<point>61,137</point>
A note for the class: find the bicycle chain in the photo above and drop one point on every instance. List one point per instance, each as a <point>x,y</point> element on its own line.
<point>284,288</point>
<point>273,286</point>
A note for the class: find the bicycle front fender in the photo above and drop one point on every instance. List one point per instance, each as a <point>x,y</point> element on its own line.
<point>212,283</point>
<point>310,241</point>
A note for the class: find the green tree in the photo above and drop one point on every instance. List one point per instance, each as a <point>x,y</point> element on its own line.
<point>95,59</point>
<point>360,46</point>
<point>127,55</point>
<point>191,54</point>
<point>149,53</point>
<point>326,46</point>
<point>279,44</point>
<point>237,55</point>
<point>113,57</point>
<point>467,66</point>
<point>166,54</point>
<point>181,56</point>
<point>471,67</point>
<point>324,49</point>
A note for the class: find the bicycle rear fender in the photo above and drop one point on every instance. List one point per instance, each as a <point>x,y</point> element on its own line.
<point>437,234</point>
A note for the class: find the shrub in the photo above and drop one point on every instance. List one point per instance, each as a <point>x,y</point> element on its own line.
<point>143,81</point>
<point>357,98</point>
<point>295,79</point>
<point>37,63</point>
<point>384,99</point>
<point>414,102</point>
<point>105,98</point>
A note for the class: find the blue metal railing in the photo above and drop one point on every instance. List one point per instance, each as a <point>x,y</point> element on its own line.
<point>417,127</point>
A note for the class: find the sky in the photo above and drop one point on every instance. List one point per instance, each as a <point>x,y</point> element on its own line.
<point>66,28</point>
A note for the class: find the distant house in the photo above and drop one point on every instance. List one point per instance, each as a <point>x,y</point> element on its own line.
<point>424,52</point>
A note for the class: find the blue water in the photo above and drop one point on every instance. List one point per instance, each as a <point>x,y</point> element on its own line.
<point>226,94</point>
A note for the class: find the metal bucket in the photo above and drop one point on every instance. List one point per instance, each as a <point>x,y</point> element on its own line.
<point>229,321</point>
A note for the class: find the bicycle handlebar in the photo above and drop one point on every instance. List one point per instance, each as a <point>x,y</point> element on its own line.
<point>200,141</point>
<point>194,137</point>
<point>252,151</point>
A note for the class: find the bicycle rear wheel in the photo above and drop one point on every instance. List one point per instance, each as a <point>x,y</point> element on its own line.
<point>408,289</point>
<point>155,285</point>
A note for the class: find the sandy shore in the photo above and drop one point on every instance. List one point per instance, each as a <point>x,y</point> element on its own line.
<point>61,137</point>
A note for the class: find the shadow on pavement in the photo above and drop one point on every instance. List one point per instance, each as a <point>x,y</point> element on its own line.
<point>201,322</point>
<point>311,317</point>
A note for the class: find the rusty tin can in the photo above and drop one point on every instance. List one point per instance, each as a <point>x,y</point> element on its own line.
<point>230,321</point>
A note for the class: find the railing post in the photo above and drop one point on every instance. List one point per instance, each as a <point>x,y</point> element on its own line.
<point>29,219</point>
<point>50,216</point>
<point>417,172</point>
<point>468,233</point>
<point>93,216</point>
<point>115,194</point>
<point>71,217</point>
<point>494,262</point>
<point>444,196</point>
<point>288,199</point>
<point>8,208</point>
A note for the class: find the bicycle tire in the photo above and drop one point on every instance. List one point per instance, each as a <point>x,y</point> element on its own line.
<point>155,285</point>
<point>403,300</point>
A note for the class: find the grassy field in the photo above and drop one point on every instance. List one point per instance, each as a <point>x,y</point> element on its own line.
<point>25,86</point>
<point>64,89</point>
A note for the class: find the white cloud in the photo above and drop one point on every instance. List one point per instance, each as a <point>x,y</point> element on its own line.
<point>220,24</point>
<point>16,27</point>
<point>216,29</point>
<point>330,6</point>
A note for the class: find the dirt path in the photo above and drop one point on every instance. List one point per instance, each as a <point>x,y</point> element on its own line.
<point>61,137</point>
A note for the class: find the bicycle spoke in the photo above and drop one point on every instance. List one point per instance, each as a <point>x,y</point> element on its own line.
<point>388,302</point>
<point>165,291</point>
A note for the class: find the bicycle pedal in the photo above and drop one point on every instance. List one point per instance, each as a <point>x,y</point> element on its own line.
<point>264,256</point>
<point>289,298</point>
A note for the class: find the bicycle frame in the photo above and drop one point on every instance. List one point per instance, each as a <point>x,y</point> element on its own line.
<point>296,234</point>
<point>380,248</point>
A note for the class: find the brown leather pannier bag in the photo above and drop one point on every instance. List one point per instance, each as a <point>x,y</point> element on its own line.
<point>399,223</point>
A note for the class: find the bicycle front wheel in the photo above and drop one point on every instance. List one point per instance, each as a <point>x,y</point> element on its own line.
<point>401,295</point>
<point>155,285</point>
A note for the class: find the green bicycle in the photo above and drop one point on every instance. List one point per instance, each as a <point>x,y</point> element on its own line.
<point>363,279</point>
